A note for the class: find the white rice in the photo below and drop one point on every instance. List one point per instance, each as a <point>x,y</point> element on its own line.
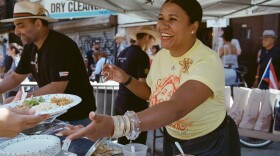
<point>44,106</point>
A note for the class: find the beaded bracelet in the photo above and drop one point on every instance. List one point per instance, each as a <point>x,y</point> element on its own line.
<point>134,125</point>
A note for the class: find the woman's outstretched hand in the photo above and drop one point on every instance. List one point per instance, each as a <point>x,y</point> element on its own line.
<point>112,72</point>
<point>100,127</point>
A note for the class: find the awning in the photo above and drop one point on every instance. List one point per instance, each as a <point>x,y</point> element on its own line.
<point>212,9</point>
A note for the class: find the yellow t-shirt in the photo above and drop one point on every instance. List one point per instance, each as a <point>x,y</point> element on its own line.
<point>202,64</point>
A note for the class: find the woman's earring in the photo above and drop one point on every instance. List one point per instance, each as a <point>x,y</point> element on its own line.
<point>192,32</point>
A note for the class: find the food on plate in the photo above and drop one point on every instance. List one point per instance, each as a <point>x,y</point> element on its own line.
<point>27,104</point>
<point>34,101</point>
<point>40,104</point>
<point>61,101</point>
<point>106,150</point>
<point>44,106</point>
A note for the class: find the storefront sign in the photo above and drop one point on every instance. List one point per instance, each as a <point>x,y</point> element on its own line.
<point>63,9</point>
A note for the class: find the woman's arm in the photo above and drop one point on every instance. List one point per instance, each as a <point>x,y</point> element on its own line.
<point>98,66</point>
<point>237,46</point>
<point>221,52</point>
<point>186,98</point>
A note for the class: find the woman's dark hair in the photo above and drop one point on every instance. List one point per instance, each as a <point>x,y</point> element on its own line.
<point>18,49</point>
<point>101,54</point>
<point>228,33</point>
<point>191,7</point>
<point>156,47</point>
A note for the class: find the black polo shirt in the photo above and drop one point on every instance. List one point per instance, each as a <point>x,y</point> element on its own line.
<point>57,60</point>
<point>265,56</point>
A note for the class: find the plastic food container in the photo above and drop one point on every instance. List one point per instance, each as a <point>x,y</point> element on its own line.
<point>140,150</point>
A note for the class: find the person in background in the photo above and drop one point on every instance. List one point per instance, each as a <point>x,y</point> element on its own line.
<point>7,61</point>
<point>91,62</point>
<point>154,49</point>
<point>228,55</point>
<point>228,52</point>
<point>185,87</point>
<point>135,61</point>
<point>81,50</point>
<point>120,42</point>
<point>14,50</point>
<point>269,51</point>
<point>229,31</point>
<point>7,64</point>
<point>53,59</point>
<point>101,60</point>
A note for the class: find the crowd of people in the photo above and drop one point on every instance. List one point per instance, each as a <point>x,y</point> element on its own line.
<point>174,87</point>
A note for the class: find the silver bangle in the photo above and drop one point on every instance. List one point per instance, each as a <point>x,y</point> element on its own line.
<point>117,127</point>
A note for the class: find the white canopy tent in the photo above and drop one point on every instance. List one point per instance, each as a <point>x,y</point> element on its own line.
<point>212,9</point>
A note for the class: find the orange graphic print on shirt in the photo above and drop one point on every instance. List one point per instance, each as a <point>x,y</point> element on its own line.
<point>181,125</point>
<point>164,90</point>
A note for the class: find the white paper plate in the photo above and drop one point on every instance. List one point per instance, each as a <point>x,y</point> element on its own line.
<point>36,145</point>
<point>75,100</point>
<point>3,139</point>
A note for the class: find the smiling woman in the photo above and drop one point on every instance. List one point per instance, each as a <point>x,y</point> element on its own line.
<point>185,87</point>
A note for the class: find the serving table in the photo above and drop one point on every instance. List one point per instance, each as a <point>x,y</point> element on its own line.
<point>259,134</point>
<point>78,146</point>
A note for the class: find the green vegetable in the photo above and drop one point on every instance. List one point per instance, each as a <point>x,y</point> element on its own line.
<point>34,101</point>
